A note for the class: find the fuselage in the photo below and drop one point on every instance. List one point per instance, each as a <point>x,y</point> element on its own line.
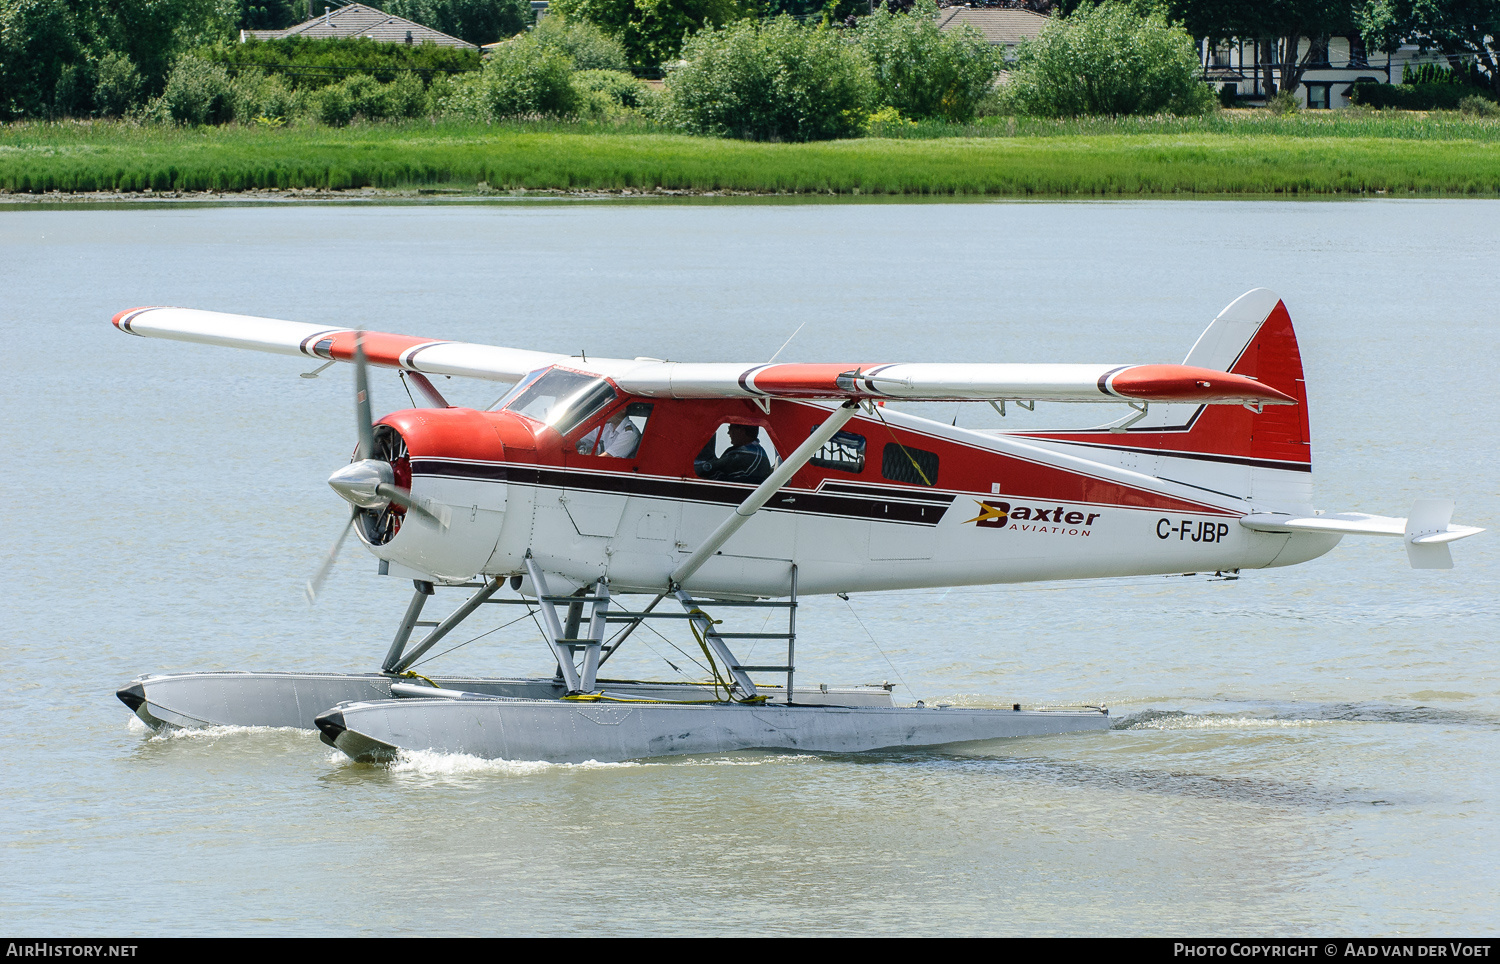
<point>894,502</point>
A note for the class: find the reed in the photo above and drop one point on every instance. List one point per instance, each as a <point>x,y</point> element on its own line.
<point>1348,154</point>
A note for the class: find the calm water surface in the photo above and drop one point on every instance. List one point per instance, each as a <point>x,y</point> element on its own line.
<point>1299,751</point>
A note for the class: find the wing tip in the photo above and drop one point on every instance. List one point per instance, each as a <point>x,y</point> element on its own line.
<point>123,319</point>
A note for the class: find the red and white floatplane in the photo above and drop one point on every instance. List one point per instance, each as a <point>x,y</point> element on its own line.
<point>599,489</point>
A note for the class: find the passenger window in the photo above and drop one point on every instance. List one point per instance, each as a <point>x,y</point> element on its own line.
<point>618,436</point>
<point>902,463</point>
<point>845,452</point>
<point>737,453</point>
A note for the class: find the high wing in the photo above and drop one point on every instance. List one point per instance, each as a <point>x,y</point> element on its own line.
<point>922,381</point>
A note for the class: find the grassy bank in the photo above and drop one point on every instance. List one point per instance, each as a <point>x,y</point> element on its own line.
<point>1222,154</point>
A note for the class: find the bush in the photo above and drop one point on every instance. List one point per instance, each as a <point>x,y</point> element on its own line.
<point>258,95</point>
<point>605,93</point>
<point>1283,102</point>
<point>406,96</point>
<point>1478,107</point>
<point>587,46</point>
<point>333,106</point>
<point>774,80</point>
<point>1109,60</point>
<point>926,72</point>
<point>1441,95</point>
<point>522,79</point>
<point>197,92</point>
<point>118,87</point>
<point>319,63</point>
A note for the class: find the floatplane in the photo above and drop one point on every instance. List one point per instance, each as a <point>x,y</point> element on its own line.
<point>732,489</point>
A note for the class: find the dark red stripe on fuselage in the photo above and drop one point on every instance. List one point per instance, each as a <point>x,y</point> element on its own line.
<point>889,506</point>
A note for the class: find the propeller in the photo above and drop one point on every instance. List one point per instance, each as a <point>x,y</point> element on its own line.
<point>368,482</point>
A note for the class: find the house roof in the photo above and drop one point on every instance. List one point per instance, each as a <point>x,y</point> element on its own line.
<point>358,20</point>
<point>999,26</point>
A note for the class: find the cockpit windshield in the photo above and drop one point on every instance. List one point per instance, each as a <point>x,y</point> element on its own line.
<point>560,398</point>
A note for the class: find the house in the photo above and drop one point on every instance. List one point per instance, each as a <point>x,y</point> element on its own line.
<point>357,20</point>
<point>1332,67</point>
<point>1002,27</point>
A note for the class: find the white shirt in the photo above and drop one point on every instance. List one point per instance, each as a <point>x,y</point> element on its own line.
<point>615,440</point>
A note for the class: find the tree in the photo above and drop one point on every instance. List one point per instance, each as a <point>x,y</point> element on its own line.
<point>477,21</point>
<point>1459,29</point>
<point>586,44</point>
<point>1109,60</point>
<point>1279,25</point>
<point>51,50</point>
<point>652,31</point>
<point>923,71</point>
<point>39,47</point>
<point>773,80</point>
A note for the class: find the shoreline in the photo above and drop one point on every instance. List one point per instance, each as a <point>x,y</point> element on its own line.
<point>268,196</point>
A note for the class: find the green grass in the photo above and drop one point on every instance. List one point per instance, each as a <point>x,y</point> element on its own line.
<point>1224,154</point>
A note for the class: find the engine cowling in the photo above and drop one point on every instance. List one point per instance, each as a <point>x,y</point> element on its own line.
<point>453,462</point>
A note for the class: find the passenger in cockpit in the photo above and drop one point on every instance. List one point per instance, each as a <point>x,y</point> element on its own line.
<point>743,461</point>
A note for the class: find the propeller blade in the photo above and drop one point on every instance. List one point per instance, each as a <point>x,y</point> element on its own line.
<point>362,415</point>
<point>315,584</point>
<point>403,498</point>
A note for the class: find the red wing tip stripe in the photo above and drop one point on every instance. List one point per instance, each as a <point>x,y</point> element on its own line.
<point>406,358</point>
<point>869,385</point>
<point>747,379</point>
<point>1106,381</point>
<point>307,344</point>
<point>123,319</point>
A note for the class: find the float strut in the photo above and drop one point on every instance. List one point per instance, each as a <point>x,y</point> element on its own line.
<point>446,626</point>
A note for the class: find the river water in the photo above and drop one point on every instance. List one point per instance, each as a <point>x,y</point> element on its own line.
<point>1302,751</point>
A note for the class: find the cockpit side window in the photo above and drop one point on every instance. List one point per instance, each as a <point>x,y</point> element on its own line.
<point>561,399</point>
<point>618,436</point>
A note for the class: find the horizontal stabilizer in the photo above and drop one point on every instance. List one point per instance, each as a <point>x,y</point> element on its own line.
<point>1427,530</point>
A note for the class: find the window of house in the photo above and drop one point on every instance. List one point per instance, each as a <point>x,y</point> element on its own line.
<point>1317,96</point>
<point>1221,56</point>
<point>902,463</point>
<point>844,452</point>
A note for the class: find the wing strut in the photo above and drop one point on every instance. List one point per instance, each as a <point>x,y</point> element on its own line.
<point>763,492</point>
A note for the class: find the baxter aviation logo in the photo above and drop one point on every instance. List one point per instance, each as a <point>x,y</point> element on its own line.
<point>1057,520</point>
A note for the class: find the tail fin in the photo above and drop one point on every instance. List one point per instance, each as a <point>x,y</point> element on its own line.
<point>1263,456</point>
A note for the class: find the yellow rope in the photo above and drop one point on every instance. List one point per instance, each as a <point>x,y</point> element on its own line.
<point>412,674</point>
<point>904,452</point>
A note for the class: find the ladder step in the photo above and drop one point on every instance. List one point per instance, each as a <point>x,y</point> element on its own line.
<point>765,669</point>
<point>425,622</point>
<point>752,635</point>
<point>620,616</point>
<point>745,603</point>
<point>573,599</point>
<point>578,642</point>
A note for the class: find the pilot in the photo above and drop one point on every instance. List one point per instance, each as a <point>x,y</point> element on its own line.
<point>743,461</point>
<point>617,438</point>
